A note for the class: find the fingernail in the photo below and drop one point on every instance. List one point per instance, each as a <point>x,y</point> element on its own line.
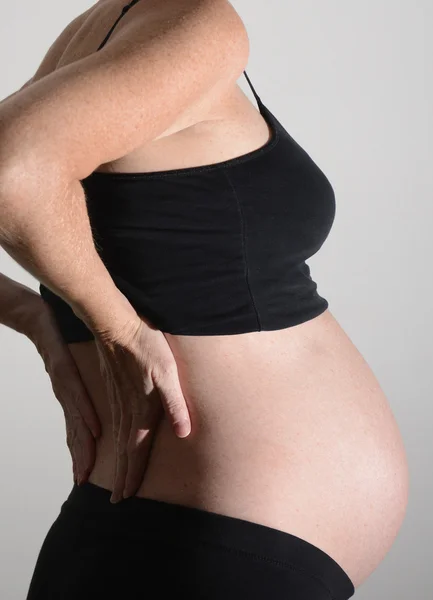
<point>96,433</point>
<point>183,429</point>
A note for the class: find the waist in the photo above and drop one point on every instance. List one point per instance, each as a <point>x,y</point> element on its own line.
<point>270,410</point>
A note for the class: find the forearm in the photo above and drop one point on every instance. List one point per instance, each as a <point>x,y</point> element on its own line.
<point>44,227</point>
<point>18,304</point>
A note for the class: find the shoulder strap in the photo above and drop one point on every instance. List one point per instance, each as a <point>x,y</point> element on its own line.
<point>256,96</point>
<point>124,10</point>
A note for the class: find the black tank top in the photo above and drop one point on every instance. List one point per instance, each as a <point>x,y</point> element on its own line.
<point>216,249</point>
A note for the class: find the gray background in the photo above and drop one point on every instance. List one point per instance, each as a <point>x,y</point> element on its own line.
<point>351,81</point>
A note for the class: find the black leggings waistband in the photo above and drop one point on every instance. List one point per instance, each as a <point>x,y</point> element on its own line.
<point>249,549</point>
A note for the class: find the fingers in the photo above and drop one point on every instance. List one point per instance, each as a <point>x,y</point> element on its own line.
<point>121,457</point>
<point>85,453</point>
<point>69,442</point>
<point>82,448</point>
<point>65,377</point>
<point>78,409</point>
<point>134,441</point>
<point>75,396</point>
<point>87,412</point>
<point>143,430</point>
<point>131,368</point>
<point>82,422</point>
<point>173,400</point>
<point>116,423</point>
<point>137,430</point>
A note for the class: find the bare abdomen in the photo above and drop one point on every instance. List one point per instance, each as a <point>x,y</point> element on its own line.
<point>291,429</point>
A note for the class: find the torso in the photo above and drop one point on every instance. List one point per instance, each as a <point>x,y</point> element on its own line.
<point>292,427</point>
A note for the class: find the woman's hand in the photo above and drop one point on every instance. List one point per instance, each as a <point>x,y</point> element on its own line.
<point>142,382</point>
<point>82,423</point>
<point>24,311</point>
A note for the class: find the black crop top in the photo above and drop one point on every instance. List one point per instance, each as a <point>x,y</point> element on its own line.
<point>215,249</point>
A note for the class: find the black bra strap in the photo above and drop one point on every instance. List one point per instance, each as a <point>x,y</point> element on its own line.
<point>256,96</point>
<point>124,10</point>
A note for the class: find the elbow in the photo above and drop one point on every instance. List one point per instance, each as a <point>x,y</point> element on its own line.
<point>23,165</point>
<point>29,159</point>
<point>12,205</point>
<point>26,188</point>
<point>27,177</point>
<point>14,190</point>
<point>8,192</point>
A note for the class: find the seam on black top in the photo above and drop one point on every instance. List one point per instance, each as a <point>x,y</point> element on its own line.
<point>244,248</point>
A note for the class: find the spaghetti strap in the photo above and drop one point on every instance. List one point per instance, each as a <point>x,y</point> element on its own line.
<point>256,96</point>
<point>124,10</point>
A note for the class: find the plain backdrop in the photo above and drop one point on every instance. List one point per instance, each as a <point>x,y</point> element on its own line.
<point>352,83</point>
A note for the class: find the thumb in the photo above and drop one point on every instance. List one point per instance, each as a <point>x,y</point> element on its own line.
<point>173,401</point>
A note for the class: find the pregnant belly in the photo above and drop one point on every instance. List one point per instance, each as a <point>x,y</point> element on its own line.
<point>290,429</point>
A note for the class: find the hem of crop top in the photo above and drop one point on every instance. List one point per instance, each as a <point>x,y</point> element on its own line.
<point>84,334</point>
<point>271,143</point>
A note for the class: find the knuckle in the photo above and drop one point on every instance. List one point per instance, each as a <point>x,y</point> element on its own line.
<point>122,453</point>
<point>59,369</point>
<point>57,391</point>
<point>70,440</point>
<point>164,371</point>
<point>177,409</point>
<point>173,404</point>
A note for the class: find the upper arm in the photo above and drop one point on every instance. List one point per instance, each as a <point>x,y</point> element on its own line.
<point>102,107</point>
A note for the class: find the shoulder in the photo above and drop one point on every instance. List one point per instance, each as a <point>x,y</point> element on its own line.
<point>215,19</point>
<point>58,46</point>
<point>171,55</point>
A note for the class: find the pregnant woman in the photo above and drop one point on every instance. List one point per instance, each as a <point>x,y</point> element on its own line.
<point>244,448</point>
